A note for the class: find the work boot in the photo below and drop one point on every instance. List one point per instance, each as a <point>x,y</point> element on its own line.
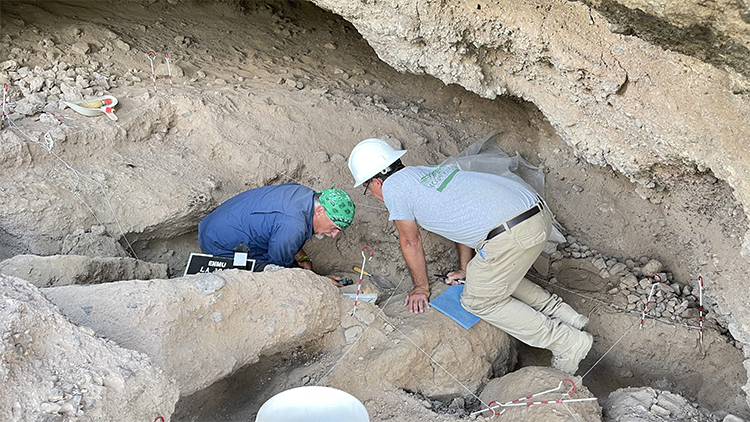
<point>567,315</point>
<point>569,360</point>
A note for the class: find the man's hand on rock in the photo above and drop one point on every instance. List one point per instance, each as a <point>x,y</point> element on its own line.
<point>418,299</point>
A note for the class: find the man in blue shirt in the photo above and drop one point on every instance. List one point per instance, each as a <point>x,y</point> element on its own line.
<point>274,222</point>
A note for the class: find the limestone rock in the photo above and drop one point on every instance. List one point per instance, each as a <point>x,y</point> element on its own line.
<point>388,358</point>
<point>533,379</point>
<point>63,270</point>
<point>53,370</point>
<point>92,244</point>
<point>174,323</point>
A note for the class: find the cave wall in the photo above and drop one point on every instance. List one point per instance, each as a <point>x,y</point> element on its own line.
<point>647,88</point>
<point>631,103</point>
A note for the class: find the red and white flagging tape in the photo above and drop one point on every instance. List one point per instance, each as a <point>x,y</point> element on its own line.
<point>649,297</point>
<point>151,56</point>
<point>494,405</point>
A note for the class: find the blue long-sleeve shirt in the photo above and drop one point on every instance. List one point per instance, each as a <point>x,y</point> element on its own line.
<point>273,221</point>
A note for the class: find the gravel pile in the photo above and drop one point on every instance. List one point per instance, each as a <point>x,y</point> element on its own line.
<point>631,283</point>
<point>42,89</point>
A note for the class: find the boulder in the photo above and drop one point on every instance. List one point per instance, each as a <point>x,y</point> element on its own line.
<point>532,380</point>
<point>51,369</point>
<point>202,328</point>
<point>63,270</point>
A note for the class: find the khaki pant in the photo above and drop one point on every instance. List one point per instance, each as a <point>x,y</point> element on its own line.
<point>497,291</point>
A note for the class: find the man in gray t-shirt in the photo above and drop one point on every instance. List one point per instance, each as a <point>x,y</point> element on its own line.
<point>500,227</point>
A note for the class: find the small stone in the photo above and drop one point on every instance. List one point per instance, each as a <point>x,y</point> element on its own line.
<point>358,71</point>
<point>613,291</point>
<point>625,373</point>
<point>618,269</point>
<point>329,46</point>
<point>629,281</point>
<point>322,156</point>
<point>122,45</point>
<point>209,283</point>
<point>577,188</point>
<point>690,313</point>
<point>652,267</point>
<point>427,404</point>
<point>81,48</point>
<point>351,334</point>
<point>457,403</point>
<point>8,65</point>
<point>49,407</point>
<point>660,410</point>
<point>599,263</point>
<point>217,317</point>
<point>633,298</point>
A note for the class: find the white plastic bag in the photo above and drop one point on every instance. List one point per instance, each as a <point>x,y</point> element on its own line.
<point>485,156</point>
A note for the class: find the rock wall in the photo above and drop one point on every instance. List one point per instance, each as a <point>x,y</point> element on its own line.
<point>63,270</point>
<point>619,100</point>
<point>51,369</point>
<point>202,328</point>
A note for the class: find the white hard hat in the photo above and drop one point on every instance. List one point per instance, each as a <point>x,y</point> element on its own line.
<point>312,404</point>
<point>370,157</point>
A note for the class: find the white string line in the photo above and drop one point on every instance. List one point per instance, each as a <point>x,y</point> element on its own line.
<point>363,333</point>
<point>78,176</point>
<point>609,350</point>
<point>434,361</point>
<point>570,411</point>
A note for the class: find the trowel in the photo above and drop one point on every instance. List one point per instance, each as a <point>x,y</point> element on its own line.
<point>381,282</point>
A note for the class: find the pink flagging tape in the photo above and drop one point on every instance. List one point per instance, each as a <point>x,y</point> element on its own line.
<point>361,274</point>
<point>643,316</point>
<point>494,405</point>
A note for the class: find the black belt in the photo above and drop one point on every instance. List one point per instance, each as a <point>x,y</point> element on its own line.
<point>536,209</point>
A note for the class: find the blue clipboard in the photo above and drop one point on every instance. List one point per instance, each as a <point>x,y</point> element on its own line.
<point>449,303</point>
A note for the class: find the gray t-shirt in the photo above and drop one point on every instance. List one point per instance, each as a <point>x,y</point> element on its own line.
<point>462,206</point>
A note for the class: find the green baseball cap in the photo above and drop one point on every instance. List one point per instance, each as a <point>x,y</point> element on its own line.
<point>339,206</point>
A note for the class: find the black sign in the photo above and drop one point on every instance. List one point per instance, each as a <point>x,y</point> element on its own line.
<point>204,263</point>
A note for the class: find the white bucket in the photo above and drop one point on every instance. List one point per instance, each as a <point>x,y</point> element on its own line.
<point>312,404</point>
